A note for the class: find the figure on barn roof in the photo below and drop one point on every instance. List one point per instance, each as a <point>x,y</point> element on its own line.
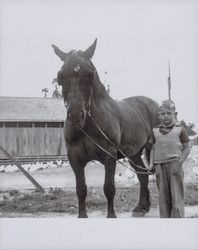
<point>45,91</point>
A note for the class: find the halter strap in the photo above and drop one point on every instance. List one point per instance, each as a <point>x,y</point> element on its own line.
<point>89,102</point>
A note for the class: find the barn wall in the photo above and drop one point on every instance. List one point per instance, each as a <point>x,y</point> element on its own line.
<point>32,141</point>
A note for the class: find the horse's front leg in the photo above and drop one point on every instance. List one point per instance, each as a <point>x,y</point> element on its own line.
<point>81,188</point>
<point>109,186</point>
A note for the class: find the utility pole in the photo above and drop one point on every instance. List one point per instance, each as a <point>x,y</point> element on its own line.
<point>169,82</point>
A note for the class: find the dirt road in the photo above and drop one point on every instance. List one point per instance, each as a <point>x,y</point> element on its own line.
<point>63,177</point>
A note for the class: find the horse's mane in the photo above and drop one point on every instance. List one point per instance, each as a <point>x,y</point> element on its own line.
<point>99,90</point>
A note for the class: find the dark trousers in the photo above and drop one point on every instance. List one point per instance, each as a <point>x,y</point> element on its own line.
<point>169,178</point>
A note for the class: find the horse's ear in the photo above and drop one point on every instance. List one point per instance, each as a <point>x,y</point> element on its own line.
<point>59,53</point>
<point>90,51</point>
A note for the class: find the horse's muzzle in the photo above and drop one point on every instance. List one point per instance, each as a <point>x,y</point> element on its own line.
<point>77,121</point>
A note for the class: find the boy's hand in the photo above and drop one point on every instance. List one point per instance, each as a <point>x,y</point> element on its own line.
<point>180,162</point>
<point>152,169</point>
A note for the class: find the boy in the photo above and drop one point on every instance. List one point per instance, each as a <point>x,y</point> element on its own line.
<point>170,149</point>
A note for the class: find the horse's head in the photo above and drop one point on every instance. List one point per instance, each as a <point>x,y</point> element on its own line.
<point>76,78</point>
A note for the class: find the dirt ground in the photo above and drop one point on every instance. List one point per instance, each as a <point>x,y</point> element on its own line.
<point>18,197</point>
<point>63,203</point>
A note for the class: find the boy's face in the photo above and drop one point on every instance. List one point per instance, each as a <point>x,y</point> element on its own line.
<point>167,117</point>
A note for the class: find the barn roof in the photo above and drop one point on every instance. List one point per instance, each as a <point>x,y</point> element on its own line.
<point>34,109</point>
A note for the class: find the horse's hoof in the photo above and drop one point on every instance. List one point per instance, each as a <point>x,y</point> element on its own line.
<point>139,209</point>
<point>111,216</point>
<point>138,214</point>
<point>82,216</point>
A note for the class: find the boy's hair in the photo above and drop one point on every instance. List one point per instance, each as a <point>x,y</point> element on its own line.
<point>168,105</point>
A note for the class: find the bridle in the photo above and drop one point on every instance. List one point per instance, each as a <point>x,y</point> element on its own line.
<point>88,67</point>
<point>89,102</point>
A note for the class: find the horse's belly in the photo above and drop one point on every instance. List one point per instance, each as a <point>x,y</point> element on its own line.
<point>133,141</point>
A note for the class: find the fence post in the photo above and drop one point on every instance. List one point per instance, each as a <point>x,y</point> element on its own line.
<point>33,181</point>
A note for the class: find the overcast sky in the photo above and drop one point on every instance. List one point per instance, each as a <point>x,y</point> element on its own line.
<point>135,41</point>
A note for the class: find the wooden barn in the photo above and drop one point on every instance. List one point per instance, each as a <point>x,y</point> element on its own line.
<point>32,128</point>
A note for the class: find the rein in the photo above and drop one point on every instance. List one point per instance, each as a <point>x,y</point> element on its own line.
<point>108,153</point>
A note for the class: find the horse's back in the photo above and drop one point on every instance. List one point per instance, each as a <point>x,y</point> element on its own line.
<point>140,107</point>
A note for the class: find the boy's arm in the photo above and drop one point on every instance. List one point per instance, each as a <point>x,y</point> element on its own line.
<point>186,147</point>
<point>185,152</point>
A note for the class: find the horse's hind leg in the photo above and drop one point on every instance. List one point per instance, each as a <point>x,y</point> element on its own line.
<point>144,196</point>
<point>109,186</point>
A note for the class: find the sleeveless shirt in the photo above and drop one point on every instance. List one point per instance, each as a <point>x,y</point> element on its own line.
<point>167,147</point>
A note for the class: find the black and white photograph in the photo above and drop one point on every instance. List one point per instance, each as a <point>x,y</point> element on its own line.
<point>99,114</point>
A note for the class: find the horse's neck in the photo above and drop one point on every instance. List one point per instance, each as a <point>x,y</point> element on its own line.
<point>102,101</point>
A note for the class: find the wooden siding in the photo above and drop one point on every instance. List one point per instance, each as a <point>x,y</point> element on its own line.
<point>193,140</point>
<point>32,141</point>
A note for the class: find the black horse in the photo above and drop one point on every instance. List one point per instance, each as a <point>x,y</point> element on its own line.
<point>92,112</point>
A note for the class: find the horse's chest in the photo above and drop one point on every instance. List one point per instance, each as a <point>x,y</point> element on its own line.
<point>91,147</point>
<point>95,147</point>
